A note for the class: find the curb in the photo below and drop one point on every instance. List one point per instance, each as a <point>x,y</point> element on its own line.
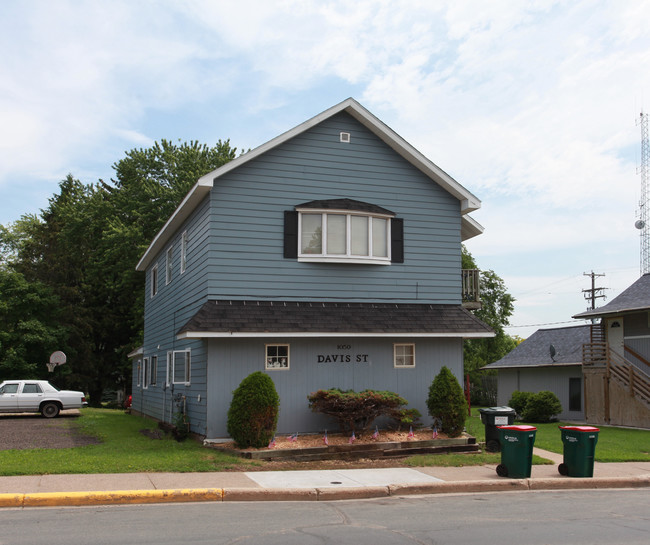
<point>64,499</point>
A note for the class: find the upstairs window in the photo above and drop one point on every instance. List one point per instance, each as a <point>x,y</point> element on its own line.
<point>343,231</point>
<point>183,252</point>
<point>154,280</point>
<point>168,265</point>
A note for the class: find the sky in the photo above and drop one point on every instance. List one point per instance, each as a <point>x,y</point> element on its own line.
<point>531,105</point>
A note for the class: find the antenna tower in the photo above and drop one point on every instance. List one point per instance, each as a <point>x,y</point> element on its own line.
<point>642,223</point>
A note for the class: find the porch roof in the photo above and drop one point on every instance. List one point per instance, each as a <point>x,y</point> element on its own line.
<point>535,351</point>
<point>224,318</point>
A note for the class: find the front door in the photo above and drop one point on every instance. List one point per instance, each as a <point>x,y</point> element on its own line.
<point>615,335</point>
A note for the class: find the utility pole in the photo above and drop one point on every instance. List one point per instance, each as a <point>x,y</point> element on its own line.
<point>593,293</point>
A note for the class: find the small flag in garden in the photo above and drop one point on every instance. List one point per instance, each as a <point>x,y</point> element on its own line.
<point>325,438</point>
<point>272,442</point>
<point>352,438</point>
<point>434,435</point>
<point>376,434</point>
<point>293,438</point>
<point>411,434</point>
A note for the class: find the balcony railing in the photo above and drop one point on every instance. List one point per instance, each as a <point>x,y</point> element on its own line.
<point>471,288</point>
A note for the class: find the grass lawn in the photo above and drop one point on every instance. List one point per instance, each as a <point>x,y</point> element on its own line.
<point>124,449</point>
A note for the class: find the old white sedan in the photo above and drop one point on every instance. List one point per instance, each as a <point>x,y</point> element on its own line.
<point>31,396</point>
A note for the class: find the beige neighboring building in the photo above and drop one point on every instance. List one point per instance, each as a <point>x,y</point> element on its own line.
<point>616,360</point>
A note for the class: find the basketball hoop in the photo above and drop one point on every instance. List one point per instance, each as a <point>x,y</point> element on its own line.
<point>58,358</point>
<point>51,367</point>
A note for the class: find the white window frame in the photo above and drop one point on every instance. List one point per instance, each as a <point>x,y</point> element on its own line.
<point>398,352</point>
<point>145,373</point>
<point>154,280</point>
<point>171,367</point>
<point>270,364</point>
<point>348,256</point>
<point>168,265</point>
<point>183,252</point>
<point>153,370</point>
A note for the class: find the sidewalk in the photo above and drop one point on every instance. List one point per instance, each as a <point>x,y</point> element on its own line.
<point>60,490</point>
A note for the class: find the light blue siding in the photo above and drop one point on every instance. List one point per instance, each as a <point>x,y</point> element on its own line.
<point>231,360</point>
<point>165,313</point>
<point>235,250</point>
<point>247,222</point>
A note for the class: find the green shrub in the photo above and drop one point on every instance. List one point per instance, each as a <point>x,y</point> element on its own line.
<point>446,403</point>
<point>253,413</point>
<point>542,407</point>
<point>518,401</point>
<point>355,411</point>
<point>406,417</point>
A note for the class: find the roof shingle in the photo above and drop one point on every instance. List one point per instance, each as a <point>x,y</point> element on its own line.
<point>241,317</point>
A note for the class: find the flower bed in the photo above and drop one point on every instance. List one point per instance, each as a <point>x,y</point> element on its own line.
<point>338,446</point>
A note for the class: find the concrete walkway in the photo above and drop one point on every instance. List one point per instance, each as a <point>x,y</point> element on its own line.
<point>60,490</point>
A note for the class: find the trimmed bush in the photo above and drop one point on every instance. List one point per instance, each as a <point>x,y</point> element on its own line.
<point>518,401</point>
<point>355,411</point>
<point>253,413</point>
<point>446,403</point>
<point>542,407</point>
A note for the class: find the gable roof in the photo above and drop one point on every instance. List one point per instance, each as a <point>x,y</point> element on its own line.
<point>468,201</point>
<point>636,297</point>
<point>535,351</point>
<point>317,319</point>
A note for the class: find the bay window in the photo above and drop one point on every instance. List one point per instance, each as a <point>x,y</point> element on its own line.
<point>339,236</point>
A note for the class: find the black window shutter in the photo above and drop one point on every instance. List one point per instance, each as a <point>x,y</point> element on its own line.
<point>290,234</point>
<point>397,240</point>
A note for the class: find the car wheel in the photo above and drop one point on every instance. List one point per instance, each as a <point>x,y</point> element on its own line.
<point>50,410</point>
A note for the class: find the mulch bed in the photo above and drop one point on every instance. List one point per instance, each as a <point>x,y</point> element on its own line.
<point>30,431</point>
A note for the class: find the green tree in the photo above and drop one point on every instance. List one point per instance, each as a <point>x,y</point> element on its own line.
<point>84,248</point>
<point>29,329</point>
<point>446,403</point>
<point>253,412</point>
<point>497,305</point>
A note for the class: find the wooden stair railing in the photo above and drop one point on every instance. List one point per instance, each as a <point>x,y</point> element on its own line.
<point>629,376</point>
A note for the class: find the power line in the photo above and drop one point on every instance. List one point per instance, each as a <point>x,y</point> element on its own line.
<point>548,323</point>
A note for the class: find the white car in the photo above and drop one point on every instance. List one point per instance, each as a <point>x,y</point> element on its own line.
<point>31,396</point>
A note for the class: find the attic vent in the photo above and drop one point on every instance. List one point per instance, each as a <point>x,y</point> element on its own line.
<point>345,137</point>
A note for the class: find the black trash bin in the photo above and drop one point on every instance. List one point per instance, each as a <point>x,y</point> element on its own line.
<point>493,417</point>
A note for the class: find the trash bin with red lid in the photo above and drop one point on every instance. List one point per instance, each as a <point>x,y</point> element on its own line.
<point>579,450</point>
<point>516,451</point>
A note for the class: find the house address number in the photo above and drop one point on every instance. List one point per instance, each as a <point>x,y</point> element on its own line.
<point>343,358</point>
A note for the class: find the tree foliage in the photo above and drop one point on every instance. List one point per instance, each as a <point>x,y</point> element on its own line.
<point>81,253</point>
<point>497,305</point>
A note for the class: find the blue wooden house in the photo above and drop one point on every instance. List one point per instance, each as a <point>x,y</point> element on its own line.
<point>328,257</point>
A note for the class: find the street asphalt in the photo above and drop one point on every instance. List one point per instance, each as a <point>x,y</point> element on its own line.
<point>325,485</point>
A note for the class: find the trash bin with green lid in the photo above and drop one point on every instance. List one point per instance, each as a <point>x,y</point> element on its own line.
<point>579,450</point>
<point>493,417</point>
<point>516,451</point>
